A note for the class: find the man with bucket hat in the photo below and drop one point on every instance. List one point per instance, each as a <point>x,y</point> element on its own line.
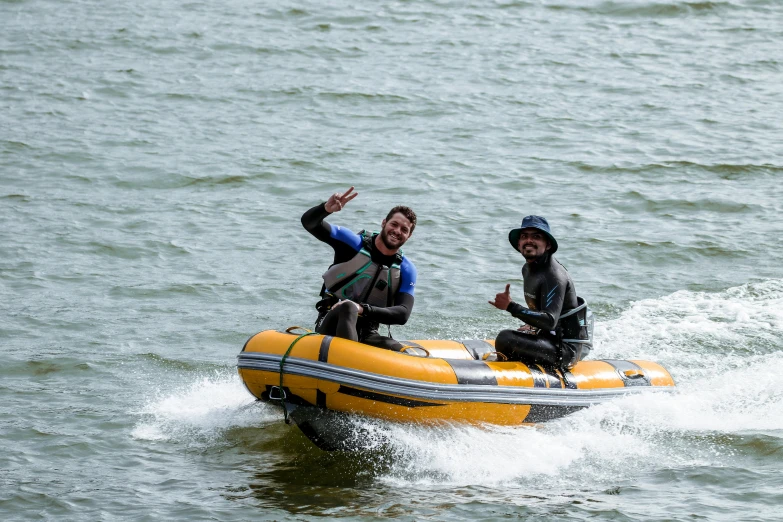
<point>556,332</point>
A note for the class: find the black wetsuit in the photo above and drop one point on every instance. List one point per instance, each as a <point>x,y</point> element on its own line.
<point>344,321</point>
<point>549,292</point>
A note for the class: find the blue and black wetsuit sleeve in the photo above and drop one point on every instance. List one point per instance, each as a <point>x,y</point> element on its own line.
<point>344,247</point>
<point>396,314</point>
<point>549,296</point>
<point>535,319</point>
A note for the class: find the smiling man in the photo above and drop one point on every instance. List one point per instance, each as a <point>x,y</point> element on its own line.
<point>555,332</point>
<point>370,281</point>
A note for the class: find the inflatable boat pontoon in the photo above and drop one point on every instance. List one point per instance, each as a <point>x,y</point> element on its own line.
<point>318,379</point>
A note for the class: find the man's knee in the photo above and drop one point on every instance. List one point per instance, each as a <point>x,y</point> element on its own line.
<point>347,312</point>
<point>506,338</point>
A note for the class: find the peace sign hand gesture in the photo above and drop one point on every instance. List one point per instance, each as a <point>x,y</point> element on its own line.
<point>337,201</point>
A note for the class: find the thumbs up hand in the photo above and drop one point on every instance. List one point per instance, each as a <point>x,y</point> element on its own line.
<point>503,299</point>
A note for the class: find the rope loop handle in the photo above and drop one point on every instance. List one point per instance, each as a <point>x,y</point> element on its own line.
<point>292,328</point>
<point>282,362</point>
<point>414,350</point>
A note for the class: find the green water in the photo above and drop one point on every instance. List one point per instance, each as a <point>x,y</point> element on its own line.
<point>157,156</point>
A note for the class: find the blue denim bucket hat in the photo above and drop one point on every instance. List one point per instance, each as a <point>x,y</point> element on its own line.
<point>532,222</point>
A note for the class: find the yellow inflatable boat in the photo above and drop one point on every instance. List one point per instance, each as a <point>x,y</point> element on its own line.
<point>318,379</point>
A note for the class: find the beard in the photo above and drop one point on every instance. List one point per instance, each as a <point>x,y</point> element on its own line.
<point>388,242</point>
<point>532,255</point>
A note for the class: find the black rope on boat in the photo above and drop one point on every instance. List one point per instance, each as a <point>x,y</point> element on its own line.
<point>282,362</point>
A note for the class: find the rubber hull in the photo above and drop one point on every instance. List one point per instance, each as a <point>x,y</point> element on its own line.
<point>434,381</point>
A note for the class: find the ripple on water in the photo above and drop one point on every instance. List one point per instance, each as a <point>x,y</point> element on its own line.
<point>694,205</point>
<point>650,8</point>
<point>64,367</point>
<point>166,363</point>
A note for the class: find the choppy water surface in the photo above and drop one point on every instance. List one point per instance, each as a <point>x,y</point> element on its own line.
<point>156,157</point>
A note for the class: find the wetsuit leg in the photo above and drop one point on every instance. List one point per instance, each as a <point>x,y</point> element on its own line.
<point>340,322</point>
<point>376,339</point>
<point>519,346</point>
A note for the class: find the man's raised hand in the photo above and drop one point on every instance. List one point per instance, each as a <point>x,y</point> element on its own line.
<point>337,201</point>
<point>503,299</point>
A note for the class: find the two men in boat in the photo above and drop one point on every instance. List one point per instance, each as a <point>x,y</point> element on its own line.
<point>555,332</point>
<point>370,280</point>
